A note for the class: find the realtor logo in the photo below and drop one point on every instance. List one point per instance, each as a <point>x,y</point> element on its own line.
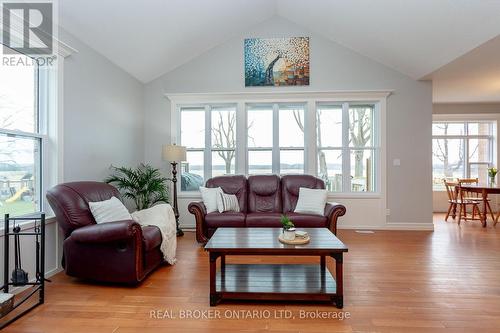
<point>27,27</point>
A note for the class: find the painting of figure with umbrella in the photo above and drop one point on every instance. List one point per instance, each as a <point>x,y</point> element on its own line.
<point>277,61</point>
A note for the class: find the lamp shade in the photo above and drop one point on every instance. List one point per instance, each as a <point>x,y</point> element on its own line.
<point>174,153</point>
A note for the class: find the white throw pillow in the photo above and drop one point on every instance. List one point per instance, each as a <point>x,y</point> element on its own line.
<point>109,211</point>
<point>227,203</point>
<point>209,197</point>
<point>311,201</point>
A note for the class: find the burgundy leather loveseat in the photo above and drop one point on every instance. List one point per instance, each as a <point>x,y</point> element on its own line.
<point>262,201</point>
<point>119,251</point>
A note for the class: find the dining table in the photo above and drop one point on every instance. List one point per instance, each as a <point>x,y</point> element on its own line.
<point>484,190</point>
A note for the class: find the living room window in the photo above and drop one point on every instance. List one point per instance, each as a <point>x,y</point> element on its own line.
<point>461,149</point>
<point>275,138</point>
<point>291,139</point>
<point>346,146</point>
<point>21,138</point>
<point>223,132</point>
<point>260,138</point>
<point>333,136</point>
<point>209,153</point>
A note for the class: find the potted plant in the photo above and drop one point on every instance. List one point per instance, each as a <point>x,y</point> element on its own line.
<point>144,185</point>
<point>288,228</point>
<point>492,172</point>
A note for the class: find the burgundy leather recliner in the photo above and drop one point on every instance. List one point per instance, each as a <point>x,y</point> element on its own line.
<point>262,200</point>
<point>121,251</point>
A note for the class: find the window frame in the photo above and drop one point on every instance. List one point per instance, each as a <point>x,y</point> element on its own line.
<point>310,99</point>
<point>346,149</point>
<point>209,109</point>
<point>275,147</point>
<point>208,149</point>
<point>50,127</point>
<point>39,135</point>
<point>270,148</point>
<point>494,142</point>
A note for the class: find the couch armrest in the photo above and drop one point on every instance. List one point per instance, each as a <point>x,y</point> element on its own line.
<point>106,232</point>
<point>199,211</point>
<point>332,211</point>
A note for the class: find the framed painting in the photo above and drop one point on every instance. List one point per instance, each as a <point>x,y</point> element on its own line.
<point>277,61</point>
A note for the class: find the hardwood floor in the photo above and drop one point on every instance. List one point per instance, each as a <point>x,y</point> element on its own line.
<point>394,281</point>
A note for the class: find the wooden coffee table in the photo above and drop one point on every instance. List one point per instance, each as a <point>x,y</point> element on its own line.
<point>298,282</point>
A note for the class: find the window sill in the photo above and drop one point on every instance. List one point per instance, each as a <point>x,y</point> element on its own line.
<point>189,195</point>
<point>331,195</point>
<point>360,195</point>
<point>27,225</point>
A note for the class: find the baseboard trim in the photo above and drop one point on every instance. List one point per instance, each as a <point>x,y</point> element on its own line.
<point>392,226</point>
<point>409,226</point>
<point>53,272</point>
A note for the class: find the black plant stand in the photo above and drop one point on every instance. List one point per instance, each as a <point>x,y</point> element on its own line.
<point>38,285</point>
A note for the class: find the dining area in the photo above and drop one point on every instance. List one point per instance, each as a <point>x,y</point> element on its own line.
<point>470,200</point>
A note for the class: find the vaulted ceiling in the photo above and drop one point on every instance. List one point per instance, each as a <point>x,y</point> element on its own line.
<point>148,38</point>
<point>471,78</point>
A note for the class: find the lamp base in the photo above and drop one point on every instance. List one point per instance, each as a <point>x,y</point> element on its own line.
<point>180,233</point>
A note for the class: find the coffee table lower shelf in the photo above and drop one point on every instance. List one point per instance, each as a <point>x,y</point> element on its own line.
<point>295,282</point>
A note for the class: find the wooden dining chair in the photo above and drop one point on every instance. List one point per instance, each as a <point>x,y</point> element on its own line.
<point>451,191</point>
<point>474,196</point>
<point>463,202</point>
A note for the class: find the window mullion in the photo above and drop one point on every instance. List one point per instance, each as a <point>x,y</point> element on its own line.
<point>310,139</point>
<point>466,151</point>
<point>346,154</point>
<point>207,156</point>
<point>241,139</point>
<point>42,102</point>
<point>276,136</point>
<point>490,151</point>
<point>466,158</point>
<point>39,179</point>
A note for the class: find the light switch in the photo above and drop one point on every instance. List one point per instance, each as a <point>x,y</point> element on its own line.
<point>396,162</point>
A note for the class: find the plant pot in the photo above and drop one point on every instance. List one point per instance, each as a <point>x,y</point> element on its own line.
<point>289,234</point>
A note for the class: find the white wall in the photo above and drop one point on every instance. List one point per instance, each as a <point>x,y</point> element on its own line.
<point>103,118</point>
<point>333,68</point>
<point>465,108</point>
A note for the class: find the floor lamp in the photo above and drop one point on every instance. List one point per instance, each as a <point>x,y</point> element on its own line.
<point>174,154</point>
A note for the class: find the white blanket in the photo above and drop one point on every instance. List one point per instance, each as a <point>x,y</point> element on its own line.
<point>161,216</point>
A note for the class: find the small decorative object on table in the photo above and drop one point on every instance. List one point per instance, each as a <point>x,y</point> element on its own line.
<point>290,235</point>
<point>301,234</point>
<point>288,228</point>
<point>492,172</point>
